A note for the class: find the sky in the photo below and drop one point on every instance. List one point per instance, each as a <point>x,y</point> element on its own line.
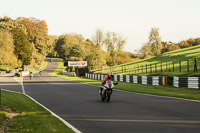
<point>176,19</point>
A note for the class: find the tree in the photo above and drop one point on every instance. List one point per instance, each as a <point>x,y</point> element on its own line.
<point>37,35</point>
<point>7,55</point>
<point>98,38</point>
<point>155,41</point>
<point>23,49</point>
<point>184,44</point>
<point>52,45</point>
<point>65,43</point>
<point>145,50</point>
<point>114,44</point>
<point>76,51</point>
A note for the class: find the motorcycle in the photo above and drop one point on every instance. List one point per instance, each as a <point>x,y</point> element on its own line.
<point>31,75</point>
<point>107,90</point>
<point>40,73</point>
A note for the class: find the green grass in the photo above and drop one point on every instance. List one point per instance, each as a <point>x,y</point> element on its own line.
<point>139,88</point>
<point>32,117</point>
<point>172,56</point>
<point>2,118</point>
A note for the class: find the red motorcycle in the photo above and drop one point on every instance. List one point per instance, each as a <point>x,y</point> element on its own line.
<point>107,90</point>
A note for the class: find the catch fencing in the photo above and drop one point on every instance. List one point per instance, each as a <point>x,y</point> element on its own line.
<point>187,65</point>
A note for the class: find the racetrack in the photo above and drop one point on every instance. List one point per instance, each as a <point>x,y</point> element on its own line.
<point>80,105</point>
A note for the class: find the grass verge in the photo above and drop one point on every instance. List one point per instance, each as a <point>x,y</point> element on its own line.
<point>2,118</point>
<point>170,91</point>
<point>32,117</point>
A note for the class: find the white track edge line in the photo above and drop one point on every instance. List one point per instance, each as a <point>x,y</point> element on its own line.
<point>61,119</point>
<point>65,122</point>
<point>52,113</point>
<point>23,90</point>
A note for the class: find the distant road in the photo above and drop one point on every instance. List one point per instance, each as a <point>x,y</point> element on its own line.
<point>80,105</point>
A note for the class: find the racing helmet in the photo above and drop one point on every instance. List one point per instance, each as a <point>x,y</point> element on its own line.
<point>111,75</point>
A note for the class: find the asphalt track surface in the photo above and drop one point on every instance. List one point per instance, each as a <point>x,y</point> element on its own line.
<point>80,105</point>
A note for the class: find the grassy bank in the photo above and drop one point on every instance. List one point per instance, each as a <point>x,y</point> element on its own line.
<point>139,88</point>
<point>32,117</point>
<point>178,62</point>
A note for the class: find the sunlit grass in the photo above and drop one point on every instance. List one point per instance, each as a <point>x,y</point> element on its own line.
<point>32,117</point>
<point>173,56</point>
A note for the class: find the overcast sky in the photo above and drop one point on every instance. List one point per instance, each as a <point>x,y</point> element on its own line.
<point>177,19</point>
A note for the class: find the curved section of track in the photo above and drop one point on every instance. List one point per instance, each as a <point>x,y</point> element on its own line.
<point>80,105</point>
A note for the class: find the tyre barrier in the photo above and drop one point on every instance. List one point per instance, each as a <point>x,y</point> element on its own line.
<point>152,80</point>
<point>68,73</point>
<point>186,82</point>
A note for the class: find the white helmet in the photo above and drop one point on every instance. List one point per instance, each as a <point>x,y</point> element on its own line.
<point>111,75</point>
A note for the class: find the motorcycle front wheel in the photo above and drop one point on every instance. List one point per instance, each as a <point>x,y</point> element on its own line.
<point>103,96</point>
<point>108,98</point>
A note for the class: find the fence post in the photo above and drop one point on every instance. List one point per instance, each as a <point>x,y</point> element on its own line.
<point>180,65</point>
<point>142,68</point>
<point>150,68</point>
<point>155,67</point>
<point>134,68</point>
<point>195,65</point>
<point>146,68</point>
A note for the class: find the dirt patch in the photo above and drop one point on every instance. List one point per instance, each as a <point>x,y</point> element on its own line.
<point>9,115</point>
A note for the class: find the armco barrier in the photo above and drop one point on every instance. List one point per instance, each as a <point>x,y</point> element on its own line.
<point>187,82</point>
<point>152,80</point>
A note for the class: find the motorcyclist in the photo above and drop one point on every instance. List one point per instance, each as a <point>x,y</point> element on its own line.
<point>40,73</point>
<point>110,76</point>
<point>31,75</point>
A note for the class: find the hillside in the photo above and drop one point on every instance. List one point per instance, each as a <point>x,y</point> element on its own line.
<point>179,62</point>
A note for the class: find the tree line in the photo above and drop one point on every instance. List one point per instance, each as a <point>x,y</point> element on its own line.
<point>23,41</point>
<point>102,49</point>
<point>26,41</point>
<point>156,46</point>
